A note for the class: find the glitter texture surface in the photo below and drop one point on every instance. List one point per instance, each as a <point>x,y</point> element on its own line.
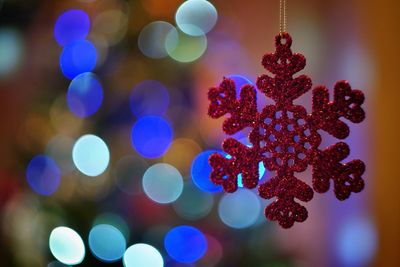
<point>285,138</point>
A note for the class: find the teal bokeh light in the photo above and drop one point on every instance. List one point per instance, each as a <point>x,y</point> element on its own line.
<point>106,242</point>
<point>90,155</point>
<point>162,183</point>
<point>142,255</point>
<point>239,210</point>
<point>66,246</point>
<point>196,17</point>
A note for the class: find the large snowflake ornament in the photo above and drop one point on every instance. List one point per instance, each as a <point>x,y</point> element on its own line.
<point>285,138</point>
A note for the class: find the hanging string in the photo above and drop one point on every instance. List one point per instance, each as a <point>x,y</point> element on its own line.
<point>282,16</point>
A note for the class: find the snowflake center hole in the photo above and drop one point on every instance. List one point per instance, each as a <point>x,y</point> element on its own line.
<point>278,114</point>
<point>261,131</point>
<point>301,121</point>
<point>301,156</point>
<point>267,154</point>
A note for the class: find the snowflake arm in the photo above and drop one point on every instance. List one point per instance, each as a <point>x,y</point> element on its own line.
<point>284,209</point>
<point>244,160</point>
<point>223,100</point>
<point>346,177</point>
<point>347,103</point>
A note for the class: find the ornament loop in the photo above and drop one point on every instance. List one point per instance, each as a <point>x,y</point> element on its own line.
<point>283,39</point>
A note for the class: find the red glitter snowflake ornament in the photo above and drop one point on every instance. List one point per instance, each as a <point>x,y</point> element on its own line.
<point>285,138</point>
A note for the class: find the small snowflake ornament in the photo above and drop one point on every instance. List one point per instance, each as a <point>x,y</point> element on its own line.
<point>285,138</point>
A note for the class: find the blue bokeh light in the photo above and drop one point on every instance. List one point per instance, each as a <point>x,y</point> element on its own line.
<point>196,17</point>
<point>71,26</point>
<point>142,255</point>
<point>239,210</point>
<point>66,245</point>
<point>149,98</point>
<point>107,243</point>
<point>201,171</point>
<point>90,155</point>
<point>185,244</point>
<point>85,95</point>
<point>78,57</point>
<point>151,136</point>
<point>356,242</point>
<point>162,183</point>
<point>43,175</point>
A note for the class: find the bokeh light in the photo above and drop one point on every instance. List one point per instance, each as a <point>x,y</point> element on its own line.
<point>128,174</point>
<point>43,175</point>
<point>162,183</point>
<point>90,155</point>
<point>66,245</point>
<point>78,57</point>
<point>183,47</point>
<point>85,95</point>
<point>239,210</point>
<point>193,204</point>
<point>199,13</point>
<point>201,171</point>
<point>106,242</point>
<point>11,48</point>
<point>152,39</point>
<point>185,244</point>
<point>114,220</point>
<point>149,98</point>
<point>71,26</point>
<point>356,242</point>
<point>142,255</point>
<point>151,136</point>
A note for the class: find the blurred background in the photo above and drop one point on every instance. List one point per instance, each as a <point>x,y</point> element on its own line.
<point>105,134</point>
